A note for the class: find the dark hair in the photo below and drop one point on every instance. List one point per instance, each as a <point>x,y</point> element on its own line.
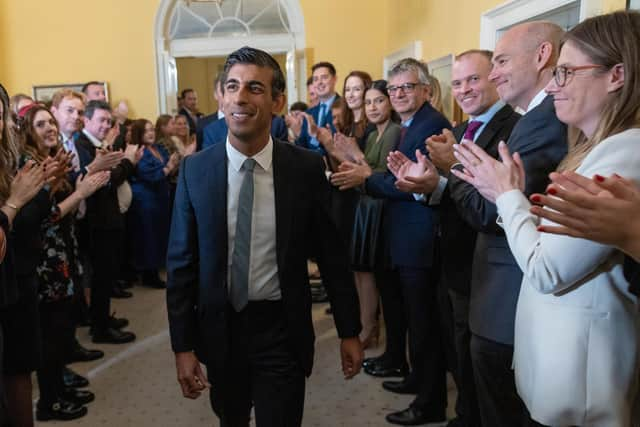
<point>137,131</point>
<point>348,118</point>
<point>324,64</point>
<point>85,87</point>
<point>309,81</point>
<point>250,55</point>
<point>8,149</point>
<point>381,86</point>
<point>94,105</point>
<point>185,92</point>
<point>299,106</point>
<point>339,103</point>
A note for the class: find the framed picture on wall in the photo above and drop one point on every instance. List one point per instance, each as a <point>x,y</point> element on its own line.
<point>44,93</point>
<point>633,4</point>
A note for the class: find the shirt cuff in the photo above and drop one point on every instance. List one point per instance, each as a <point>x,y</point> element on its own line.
<point>507,203</point>
<point>436,196</point>
<point>419,197</point>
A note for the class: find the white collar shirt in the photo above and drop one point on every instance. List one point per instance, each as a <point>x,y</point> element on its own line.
<point>264,283</point>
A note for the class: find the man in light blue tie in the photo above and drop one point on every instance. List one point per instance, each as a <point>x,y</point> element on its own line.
<point>323,75</point>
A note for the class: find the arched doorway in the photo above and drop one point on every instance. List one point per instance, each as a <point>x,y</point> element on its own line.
<point>215,28</point>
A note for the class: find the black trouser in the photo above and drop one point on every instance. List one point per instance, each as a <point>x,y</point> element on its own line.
<point>426,353</point>
<point>57,326</point>
<point>4,414</point>
<point>106,246</point>
<point>260,371</point>
<point>467,403</point>
<point>394,319</point>
<point>500,405</point>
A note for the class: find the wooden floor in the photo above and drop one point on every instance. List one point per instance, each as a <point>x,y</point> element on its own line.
<point>135,384</point>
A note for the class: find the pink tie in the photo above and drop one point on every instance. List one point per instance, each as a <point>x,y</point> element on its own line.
<point>471,130</point>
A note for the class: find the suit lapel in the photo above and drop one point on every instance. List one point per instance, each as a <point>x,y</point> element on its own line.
<point>283,182</point>
<point>217,179</point>
<point>494,125</point>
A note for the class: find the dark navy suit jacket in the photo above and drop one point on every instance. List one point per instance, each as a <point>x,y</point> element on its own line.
<point>216,131</point>
<point>458,237</point>
<point>410,224</point>
<point>202,123</point>
<point>541,140</point>
<point>197,257</point>
<point>304,139</point>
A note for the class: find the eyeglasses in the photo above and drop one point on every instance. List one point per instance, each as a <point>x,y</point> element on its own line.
<point>563,74</point>
<point>406,88</point>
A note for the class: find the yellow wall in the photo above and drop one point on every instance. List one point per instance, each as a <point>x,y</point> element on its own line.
<point>71,41</point>
<point>446,27</point>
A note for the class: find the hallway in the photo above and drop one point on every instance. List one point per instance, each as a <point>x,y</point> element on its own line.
<point>135,384</point>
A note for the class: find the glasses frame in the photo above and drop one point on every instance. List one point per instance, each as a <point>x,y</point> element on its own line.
<point>569,72</point>
<point>405,87</point>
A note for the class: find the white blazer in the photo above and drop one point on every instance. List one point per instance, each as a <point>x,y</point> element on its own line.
<point>577,325</point>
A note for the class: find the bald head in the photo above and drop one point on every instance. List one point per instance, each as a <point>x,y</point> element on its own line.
<point>524,59</point>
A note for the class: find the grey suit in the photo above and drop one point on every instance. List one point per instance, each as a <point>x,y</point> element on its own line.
<point>541,140</point>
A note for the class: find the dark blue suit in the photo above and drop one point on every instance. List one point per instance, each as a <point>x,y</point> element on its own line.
<point>541,140</point>
<point>200,316</point>
<point>304,139</point>
<point>202,123</point>
<point>411,227</point>
<point>216,131</point>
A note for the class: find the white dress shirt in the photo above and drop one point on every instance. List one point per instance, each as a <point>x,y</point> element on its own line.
<point>263,267</point>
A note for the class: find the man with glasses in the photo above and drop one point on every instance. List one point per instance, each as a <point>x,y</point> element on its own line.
<point>410,224</point>
<point>523,62</point>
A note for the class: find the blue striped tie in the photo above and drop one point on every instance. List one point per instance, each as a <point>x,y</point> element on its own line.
<point>239,294</point>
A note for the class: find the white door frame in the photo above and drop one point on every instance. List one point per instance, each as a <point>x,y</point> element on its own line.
<point>292,44</point>
<point>515,11</point>
<point>412,50</point>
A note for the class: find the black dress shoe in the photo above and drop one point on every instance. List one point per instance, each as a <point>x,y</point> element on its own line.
<point>79,397</point>
<point>384,370</point>
<point>125,284</point>
<point>113,336</point>
<point>414,417</point>
<point>72,379</point>
<point>81,354</point>
<point>401,387</point>
<point>114,322</point>
<point>370,361</point>
<point>60,410</point>
<point>120,293</point>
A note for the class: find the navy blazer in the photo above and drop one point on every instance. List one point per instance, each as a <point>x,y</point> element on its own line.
<point>202,123</point>
<point>410,224</point>
<point>197,291</point>
<point>304,139</point>
<point>217,131</point>
<point>541,140</point>
<point>458,238</point>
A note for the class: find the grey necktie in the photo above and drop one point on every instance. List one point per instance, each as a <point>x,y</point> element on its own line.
<point>239,294</point>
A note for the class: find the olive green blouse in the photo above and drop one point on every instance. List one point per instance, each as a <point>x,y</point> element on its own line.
<point>376,150</point>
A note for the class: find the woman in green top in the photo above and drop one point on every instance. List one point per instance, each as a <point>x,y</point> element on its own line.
<point>367,256</point>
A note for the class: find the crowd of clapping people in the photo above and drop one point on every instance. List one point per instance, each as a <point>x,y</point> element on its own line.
<point>502,249</point>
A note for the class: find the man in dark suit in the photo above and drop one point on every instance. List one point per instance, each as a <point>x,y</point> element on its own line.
<point>190,109</point>
<point>203,122</point>
<point>323,75</point>
<point>490,121</point>
<point>523,62</point>
<point>411,226</point>
<point>245,312</point>
<point>217,131</point>
<point>104,221</point>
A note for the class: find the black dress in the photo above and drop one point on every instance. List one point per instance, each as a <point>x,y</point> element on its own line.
<point>20,320</point>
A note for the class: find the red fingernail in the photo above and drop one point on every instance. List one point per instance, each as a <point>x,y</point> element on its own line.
<point>535,199</point>
<point>599,178</point>
<point>540,228</point>
<point>552,191</point>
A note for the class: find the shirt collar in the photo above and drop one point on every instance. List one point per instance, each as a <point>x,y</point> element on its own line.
<point>95,141</point>
<point>264,158</point>
<point>329,102</point>
<point>537,100</point>
<point>408,122</point>
<point>489,113</point>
